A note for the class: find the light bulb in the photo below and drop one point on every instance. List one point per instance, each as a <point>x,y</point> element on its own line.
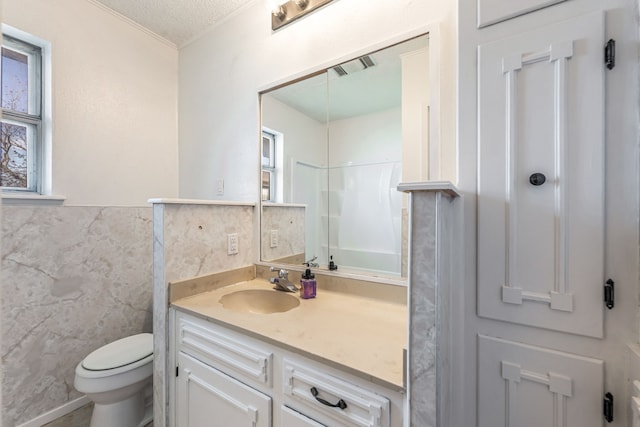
<point>276,5</point>
<point>276,8</point>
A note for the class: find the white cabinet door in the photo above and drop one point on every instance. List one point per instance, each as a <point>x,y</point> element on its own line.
<point>291,418</point>
<point>526,386</point>
<point>541,177</point>
<point>206,397</point>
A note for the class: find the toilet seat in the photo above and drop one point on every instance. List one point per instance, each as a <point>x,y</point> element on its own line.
<point>120,353</point>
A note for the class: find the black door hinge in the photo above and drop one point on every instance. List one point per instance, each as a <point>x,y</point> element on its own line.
<point>609,294</point>
<point>608,407</point>
<point>177,370</point>
<point>610,54</point>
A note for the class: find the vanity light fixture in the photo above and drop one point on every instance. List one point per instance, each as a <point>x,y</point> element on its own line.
<point>287,11</point>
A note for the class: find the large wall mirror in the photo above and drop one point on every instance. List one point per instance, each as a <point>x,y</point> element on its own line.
<point>334,147</point>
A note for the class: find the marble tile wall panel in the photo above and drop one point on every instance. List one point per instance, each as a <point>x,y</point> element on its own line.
<point>190,240</point>
<point>289,223</point>
<point>73,279</point>
<point>195,239</point>
<point>422,308</point>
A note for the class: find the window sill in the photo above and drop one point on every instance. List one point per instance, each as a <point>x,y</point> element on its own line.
<point>9,199</point>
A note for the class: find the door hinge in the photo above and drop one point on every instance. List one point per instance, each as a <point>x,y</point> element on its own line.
<point>608,407</point>
<point>610,54</point>
<point>609,294</point>
<point>177,370</point>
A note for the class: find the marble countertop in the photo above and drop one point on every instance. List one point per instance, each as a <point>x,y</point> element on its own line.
<point>363,335</point>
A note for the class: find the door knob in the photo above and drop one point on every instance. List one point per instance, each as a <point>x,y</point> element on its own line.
<point>537,178</point>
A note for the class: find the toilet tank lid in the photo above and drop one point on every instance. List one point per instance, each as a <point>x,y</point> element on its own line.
<point>120,353</point>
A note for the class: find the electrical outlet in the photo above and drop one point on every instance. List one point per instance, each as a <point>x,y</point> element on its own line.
<point>232,244</point>
<point>274,238</point>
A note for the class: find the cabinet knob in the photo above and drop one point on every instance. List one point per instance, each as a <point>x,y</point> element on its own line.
<point>537,179</point>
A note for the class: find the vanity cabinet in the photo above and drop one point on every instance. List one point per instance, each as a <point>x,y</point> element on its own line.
<point>228,377</point>
<point>207,397</point>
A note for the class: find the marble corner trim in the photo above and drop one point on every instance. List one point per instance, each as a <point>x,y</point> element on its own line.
<point>443,186</point>
<point>209,282</point>
<point>423,283</point>
<point>198,202</point>
<point>9,199</point>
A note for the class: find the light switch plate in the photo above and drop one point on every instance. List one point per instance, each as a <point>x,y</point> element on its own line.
<point>274,238</point>
<point>232,243</point>
<point>220,187</point>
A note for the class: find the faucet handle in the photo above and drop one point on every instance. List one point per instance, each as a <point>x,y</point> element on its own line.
<point>282,273</point>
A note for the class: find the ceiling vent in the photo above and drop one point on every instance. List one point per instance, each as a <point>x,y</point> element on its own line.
<point>340,71</point>
<point>367,61</point>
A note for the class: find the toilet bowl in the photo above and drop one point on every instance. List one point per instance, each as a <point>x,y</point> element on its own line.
<point>117,378</point>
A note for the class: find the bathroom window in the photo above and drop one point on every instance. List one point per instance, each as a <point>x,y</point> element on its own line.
<point>21,128</point>
<point>268,166</point>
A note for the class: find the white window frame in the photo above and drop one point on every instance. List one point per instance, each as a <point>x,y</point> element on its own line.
<point>271,169</point>
<point>277,169</point>
<point>42,178</point>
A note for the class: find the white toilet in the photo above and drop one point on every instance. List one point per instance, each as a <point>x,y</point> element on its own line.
<point>117,378</point>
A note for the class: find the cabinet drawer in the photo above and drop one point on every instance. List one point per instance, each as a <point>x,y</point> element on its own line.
<point>291,418</point>
<point>360,407</point>
<point>224,351</point>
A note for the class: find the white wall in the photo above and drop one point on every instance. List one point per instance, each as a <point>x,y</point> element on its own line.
<point>114,103</point>
<point>221,73</point>
<point>370,138</point>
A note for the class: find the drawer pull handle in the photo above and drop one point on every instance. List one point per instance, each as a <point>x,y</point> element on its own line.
<point>341,403</point>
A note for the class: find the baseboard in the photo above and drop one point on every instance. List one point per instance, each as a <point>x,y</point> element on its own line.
<point>56,413</point>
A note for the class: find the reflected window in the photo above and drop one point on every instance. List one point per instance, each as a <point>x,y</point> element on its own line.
<point>268,166</point>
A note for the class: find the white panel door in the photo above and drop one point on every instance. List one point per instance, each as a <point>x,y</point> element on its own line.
<point>205,397</point>
<point>494,11</point>
<point>525,386</point>
<point>541,177</point>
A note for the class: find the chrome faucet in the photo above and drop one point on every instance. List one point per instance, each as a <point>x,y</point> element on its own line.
<point>311,263</point>
<point>282,282</point>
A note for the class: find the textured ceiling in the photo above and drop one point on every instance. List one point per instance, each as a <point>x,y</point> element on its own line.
<point>175,20</point>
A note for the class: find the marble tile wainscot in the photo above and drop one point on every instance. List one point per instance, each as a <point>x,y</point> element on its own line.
<point>190,240</point>
<point>434,224</point>
<point>73,279</point>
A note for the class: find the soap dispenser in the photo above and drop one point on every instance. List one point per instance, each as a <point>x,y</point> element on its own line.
<point>308,285</point>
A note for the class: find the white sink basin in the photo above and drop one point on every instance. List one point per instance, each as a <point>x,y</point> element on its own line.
<point>259,301</point>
